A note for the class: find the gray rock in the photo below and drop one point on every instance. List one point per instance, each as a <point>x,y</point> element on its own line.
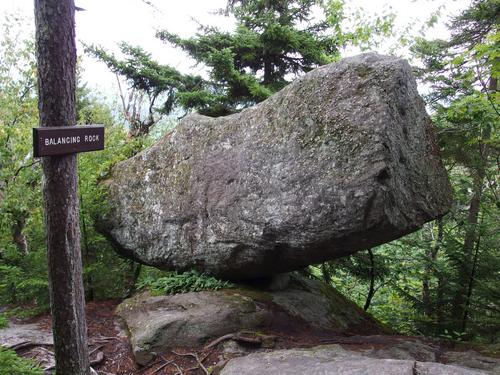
<point>156,324</point>
<point>190,319</point>
<point>15,334</point>
<point>425,351</point>
<point>233,347</point>
<point>343,159</point>
<point>410,349</point>
<point>322,307</point>
<point>473,359</point>
<point>334,360</point>
<point>428,368</point>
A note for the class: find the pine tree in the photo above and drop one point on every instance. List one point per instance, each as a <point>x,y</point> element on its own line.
<point>273,43</point>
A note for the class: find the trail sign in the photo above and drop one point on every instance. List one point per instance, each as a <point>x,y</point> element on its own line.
<point>62,140</point>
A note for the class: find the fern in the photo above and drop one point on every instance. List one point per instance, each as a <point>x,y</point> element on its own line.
<point>191,281</point>
<point>3,321</point>
<point>12,364</point>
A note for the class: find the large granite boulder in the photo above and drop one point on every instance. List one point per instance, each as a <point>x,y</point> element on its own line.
<point>342,159</point>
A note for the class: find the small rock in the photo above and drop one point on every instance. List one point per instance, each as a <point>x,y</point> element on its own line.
<point>440,369</point>
<point>233,347</point>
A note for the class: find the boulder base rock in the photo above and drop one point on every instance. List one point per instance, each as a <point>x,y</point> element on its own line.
<point>159,323</point>
<point>343,159</point>
<point>321,308</point>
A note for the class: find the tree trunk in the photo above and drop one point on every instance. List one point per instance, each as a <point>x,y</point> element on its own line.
<point>268,67</point>
<point>464,271</point>
<point>88,258</point>
<point>371,291</point>
<point>56,56</point>
<point>326,274</point>
<point>135,272</point>
<point>18,236</point>
<point>471,285</point>
<point>462,297</point>
<point>430,260</point>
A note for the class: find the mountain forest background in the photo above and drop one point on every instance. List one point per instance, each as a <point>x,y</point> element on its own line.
<point>441,281</point>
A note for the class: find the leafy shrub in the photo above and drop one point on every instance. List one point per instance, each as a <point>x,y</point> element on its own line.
<point>12,364</point>
<point>26,283</point>
<point>3,321</point>
<point>175,283</point>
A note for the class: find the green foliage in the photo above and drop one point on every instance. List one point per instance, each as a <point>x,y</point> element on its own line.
<point>175,283</point>
<point>12,364</point>
<point>3,321</point>
<point>22,275</point>
<point>396,271</point>
<point>105,274</point>
<point>353,27</point>
<point>23,266</point>
<point>273,43</point>
<point>148,76</point>
<point>463,72</point>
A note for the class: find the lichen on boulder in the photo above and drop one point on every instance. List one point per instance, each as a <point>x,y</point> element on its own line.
<point>341,160</point>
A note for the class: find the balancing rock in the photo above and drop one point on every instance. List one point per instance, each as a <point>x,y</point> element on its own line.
<point>341,160</point>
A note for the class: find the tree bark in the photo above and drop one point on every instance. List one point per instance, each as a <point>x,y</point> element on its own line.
<point>88,258</point>
<point>56,56</point>
<point>471,285</point>
<point>18,236</point>
<point>460,301</point>
<point>431,255</point>
<point>371,291</point>
<point>325,272</point>
<point>459,310</point>
<point>268,67</point>
<point>135,272</point>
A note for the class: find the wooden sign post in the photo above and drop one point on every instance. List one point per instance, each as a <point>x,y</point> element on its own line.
<point>56,63</point>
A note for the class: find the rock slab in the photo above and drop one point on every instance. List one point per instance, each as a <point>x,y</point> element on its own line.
<point>342,159</point>
<point>15,334</point>
<point>334,360</point>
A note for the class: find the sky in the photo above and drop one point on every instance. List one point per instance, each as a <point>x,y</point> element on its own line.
<point>107,22</point>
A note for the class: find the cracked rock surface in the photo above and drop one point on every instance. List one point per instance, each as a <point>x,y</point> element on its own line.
<point>341,160</point>
<point>334,360</point>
